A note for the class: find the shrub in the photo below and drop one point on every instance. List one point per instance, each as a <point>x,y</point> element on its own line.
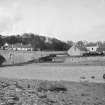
<point>55,87</point>
<point>93,77</point>
<point>58,87</point>
<point>43,86</point>
<point>103,76</point>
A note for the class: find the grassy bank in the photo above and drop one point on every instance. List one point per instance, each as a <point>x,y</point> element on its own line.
<point>36,92</point>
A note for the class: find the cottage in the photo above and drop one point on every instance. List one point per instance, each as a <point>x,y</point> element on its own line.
<point>92,47</point>
<point>76,50</point>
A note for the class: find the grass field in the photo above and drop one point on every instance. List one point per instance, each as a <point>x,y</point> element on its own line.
<point>52,72</point>
<point>70,69</point>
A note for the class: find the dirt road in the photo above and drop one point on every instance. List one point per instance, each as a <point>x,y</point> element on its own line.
<point>68,73</point>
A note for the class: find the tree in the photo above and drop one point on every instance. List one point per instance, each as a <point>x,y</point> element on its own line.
<point>70,43</point>
<point>80,43</point>
<point>99,43</point>
<point>58,45</point>
<point>11,39</point>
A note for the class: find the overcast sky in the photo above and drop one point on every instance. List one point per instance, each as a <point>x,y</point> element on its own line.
<point>63,19</point>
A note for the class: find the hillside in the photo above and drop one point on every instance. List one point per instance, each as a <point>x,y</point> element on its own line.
<point>38,42</point>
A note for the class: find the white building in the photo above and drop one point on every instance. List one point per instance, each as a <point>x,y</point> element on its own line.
<point>92,47</point>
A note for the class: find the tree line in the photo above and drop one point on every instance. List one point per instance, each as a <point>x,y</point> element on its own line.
<point>39,42</point>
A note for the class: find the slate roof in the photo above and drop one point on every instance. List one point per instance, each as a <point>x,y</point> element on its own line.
<point>91,45</point>
<point>81,48</point>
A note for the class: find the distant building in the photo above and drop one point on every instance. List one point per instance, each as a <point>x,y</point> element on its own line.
<point>5,46</point>
<point>92,47</point>
<point>76,50</point>
<point>18,47</point>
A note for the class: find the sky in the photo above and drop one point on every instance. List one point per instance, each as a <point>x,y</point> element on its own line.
<point>63,19</point>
